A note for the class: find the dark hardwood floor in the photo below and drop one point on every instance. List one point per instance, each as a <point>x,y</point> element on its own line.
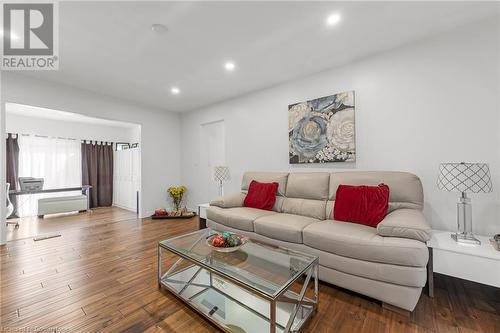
<point>100,276</point>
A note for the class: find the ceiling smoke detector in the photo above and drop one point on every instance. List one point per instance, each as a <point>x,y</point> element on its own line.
<point>159,28</point>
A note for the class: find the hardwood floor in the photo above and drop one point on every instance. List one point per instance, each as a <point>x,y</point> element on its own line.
<point>33,226</point>
<point>100,276</point>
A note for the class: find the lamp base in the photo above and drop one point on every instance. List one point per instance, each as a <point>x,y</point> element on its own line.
<point>465,238</point>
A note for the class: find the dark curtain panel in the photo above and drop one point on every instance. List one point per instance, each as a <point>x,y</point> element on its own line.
<point>12,167</point>
<point>97,171</point>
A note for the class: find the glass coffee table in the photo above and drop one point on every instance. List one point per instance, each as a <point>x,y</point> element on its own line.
<point>258,288</point>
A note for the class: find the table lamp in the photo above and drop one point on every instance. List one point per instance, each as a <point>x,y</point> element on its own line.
<point>221,174</point>
<point>465,178</point>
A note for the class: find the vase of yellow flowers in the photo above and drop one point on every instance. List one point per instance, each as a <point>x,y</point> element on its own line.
<point>177,193</point>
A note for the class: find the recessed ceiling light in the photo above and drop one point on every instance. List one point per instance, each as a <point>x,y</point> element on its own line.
<point>159,28</point>
<point>229,66</point>
<point>333,19</point>
<point>175,90</point>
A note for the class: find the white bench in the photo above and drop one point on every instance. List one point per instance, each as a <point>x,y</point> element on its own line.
<point>67,204</point>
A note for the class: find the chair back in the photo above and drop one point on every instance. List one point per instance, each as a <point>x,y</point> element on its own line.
<point>10,206</point>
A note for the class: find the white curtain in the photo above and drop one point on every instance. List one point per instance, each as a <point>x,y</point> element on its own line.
<point>58,161</point>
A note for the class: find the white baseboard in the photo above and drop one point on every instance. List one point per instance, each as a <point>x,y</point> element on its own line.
<point>146,214</point>
<point>124,207</point>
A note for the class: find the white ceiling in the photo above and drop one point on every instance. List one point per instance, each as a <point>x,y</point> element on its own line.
<point>37,112</point>
<point>109,48</point>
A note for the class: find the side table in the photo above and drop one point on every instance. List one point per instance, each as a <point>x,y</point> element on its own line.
<point>480,263</point>
<point>202,214</point>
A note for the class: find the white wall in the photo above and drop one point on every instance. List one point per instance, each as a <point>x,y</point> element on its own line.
<point>15,123</point>
<point>159,129</point>
<point>417,106</point>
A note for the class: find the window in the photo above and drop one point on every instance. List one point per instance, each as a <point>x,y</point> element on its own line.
<point>56,160</point>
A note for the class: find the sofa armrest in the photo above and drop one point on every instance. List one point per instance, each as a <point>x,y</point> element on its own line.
<point>405,223</point>
<point>229,200</point>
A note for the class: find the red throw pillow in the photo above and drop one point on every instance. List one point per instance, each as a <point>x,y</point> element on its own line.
<point>361,204</point>
<point>261,195</point>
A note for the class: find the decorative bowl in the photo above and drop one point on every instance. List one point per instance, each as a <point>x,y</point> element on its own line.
<point>242,241</point>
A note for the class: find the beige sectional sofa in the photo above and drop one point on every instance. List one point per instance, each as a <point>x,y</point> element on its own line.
<point>387,263</point>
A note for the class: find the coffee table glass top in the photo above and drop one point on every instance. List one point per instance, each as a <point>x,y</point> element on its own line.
<point>265,268</point>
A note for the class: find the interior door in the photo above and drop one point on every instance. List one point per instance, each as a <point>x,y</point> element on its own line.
<point>213,154</point>
<point>126,178</point>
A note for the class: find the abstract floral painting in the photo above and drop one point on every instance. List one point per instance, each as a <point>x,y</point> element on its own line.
<point>322,130</point>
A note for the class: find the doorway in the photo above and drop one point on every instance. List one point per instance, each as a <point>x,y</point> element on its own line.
<point>213,153</point>
<point>65,152</point>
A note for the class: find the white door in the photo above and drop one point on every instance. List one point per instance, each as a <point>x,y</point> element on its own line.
<point>126,178</point>
<point>213,154</point>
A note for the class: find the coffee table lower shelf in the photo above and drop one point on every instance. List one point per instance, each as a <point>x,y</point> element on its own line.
<point>233,308</point>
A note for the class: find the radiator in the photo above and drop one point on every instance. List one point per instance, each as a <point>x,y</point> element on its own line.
<point>61,204</point>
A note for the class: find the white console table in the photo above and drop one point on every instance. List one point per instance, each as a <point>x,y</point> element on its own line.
<point>475,263</point>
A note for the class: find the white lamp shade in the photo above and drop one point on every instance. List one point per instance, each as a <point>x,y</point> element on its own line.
<point>221,173</point>
<point>465,177</point>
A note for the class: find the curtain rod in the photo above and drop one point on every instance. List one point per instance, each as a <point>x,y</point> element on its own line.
<point>62,138</point>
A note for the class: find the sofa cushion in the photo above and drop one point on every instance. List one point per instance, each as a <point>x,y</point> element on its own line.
<point>239,217</point>
<point>265,177</point>
<point>261,195</point>
<point>285,227</point>
<point>308,185</point>
<point>406,188</point>
<point>361,204</point>
<point>362,242</point>
<point>398,274</point>
<point>229,200</point>
<point>405,223</point>
<point>304,207</point>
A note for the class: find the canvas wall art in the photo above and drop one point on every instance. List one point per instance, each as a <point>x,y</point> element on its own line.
<point>322,130</point>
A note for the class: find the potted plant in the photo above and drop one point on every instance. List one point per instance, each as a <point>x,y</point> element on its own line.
<point>177,193</point>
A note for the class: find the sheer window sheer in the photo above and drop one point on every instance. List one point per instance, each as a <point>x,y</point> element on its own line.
<point>56,160</point>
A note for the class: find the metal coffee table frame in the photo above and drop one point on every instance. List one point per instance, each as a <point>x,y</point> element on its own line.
<point>284,295</point>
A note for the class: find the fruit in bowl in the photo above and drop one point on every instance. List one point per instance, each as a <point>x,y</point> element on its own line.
<point>226,242</point>
<point>161,212</point>
<point>218,241</point>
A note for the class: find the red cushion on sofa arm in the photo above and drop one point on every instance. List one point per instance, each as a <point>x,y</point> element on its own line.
<point>261,195</point>
<point>361,204</point>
